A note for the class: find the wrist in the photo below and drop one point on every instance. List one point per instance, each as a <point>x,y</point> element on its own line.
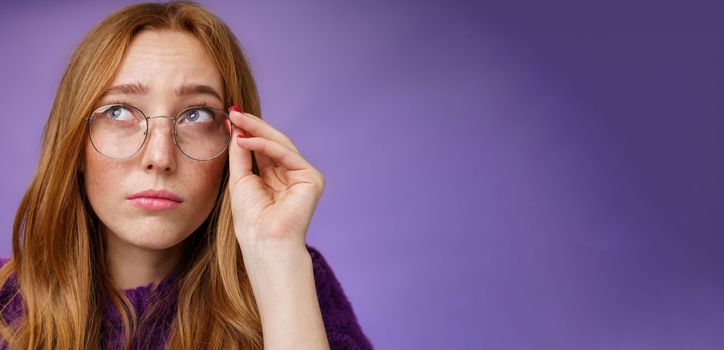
<point>272,247</point>
<point>275,271</point>
<point>274,255</point>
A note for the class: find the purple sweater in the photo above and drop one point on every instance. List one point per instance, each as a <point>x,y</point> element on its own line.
<point>340,322</point>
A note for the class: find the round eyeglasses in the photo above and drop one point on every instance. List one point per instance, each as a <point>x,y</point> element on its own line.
<point>119,131</point>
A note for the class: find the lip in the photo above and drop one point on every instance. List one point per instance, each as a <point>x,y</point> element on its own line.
<point>155,200</point>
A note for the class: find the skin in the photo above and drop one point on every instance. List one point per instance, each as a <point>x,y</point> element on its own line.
<point>271,212</point>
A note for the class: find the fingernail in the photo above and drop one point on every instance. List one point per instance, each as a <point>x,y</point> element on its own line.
<point>241,136</point>
<point>235,108</point>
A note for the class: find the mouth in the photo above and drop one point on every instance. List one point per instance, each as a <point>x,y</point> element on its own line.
<point>155,200</point>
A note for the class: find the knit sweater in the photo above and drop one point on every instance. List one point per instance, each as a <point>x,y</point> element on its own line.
<point>340,322</point>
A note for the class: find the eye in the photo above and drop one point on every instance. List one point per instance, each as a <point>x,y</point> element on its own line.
<point>198,115</point>
<point>119,113</point>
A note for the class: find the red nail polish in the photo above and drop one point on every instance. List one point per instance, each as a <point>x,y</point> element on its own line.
<point>235,108</point>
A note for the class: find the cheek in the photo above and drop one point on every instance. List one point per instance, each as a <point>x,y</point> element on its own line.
<point>208,179</point>
<point>100,178</point>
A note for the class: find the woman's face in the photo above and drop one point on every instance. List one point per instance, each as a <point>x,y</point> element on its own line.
<point>155,65</point>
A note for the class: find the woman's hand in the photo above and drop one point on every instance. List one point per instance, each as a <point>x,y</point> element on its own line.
<point>271,215</point>
<point>276,206</point>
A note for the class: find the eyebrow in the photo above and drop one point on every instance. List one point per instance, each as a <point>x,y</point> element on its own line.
<point>185,89</point>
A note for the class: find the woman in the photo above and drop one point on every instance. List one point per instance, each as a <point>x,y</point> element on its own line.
<point>157,219</point>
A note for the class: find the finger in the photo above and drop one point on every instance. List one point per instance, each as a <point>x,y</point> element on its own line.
<point>259,127</point>
<point>279,153</point>
<point>262,161</point>
<point>239,159</point>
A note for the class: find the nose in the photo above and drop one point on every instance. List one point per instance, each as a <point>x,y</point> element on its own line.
<point>159,150</point>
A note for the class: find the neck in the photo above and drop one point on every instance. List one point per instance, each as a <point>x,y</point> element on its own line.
<point>132,266</point>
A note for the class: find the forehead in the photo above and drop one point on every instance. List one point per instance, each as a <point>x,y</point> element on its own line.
<point>164,60</point>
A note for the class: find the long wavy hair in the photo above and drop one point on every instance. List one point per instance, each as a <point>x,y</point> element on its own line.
<point>58,248</point>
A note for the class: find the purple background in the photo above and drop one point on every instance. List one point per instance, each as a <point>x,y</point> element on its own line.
<point>503,175</point>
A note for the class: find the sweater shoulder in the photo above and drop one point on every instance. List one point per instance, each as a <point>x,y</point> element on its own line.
<point>10,287</point>
<point>10,284</point>
<point>10,300</point>
<point>340,322</point>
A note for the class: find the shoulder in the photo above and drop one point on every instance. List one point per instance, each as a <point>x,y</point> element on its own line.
<point>322,270</point>
<point>328,286</point>
<point>11,280</point>
<point>340,321</point>
<point>9,288</point>
<point>10,300</point>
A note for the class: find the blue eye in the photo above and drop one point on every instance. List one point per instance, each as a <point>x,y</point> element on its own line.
<point>198,115</point>
<point>119,113</point>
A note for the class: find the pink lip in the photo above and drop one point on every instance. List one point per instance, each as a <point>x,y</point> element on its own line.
<point>155,200</point>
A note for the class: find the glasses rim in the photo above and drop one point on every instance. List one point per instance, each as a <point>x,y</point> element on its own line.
<point>146,118</point>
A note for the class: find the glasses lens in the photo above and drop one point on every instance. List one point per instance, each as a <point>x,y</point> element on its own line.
<point>201,132</point>
<point>117,131</point>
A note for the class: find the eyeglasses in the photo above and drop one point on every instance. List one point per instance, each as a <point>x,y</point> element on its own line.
<point>119,131</point>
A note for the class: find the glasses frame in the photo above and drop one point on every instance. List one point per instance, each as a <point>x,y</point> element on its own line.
<point>89,120</point>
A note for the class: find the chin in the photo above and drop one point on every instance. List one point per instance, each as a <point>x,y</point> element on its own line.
<point>152,237</point>
<point>151,244</point>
